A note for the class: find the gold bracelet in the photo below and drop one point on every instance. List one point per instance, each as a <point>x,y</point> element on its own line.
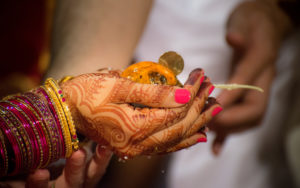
<point>65,78</point>
<point>54,85</point>
<point>75,141</point>
<point>72,129</point>
<point>62,119</point>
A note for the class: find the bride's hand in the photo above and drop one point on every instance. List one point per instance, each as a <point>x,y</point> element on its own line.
<point>101,106</point>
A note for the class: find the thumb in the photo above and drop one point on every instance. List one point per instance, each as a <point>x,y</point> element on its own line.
<point>235,37</point>
<point>97,166</point>
<point>218,144</point>
<point>40,178</point>
<point>239,25</point>
<point>74,172</point>
<point>236,31</point>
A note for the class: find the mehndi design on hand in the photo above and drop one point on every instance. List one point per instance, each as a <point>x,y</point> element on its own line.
<point>102,104</point>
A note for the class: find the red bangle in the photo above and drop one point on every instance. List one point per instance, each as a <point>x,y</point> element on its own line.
<point>3,151</point>
<point>44,134</point>
<point>11,119</point>
<point>43,92</point>
<point>46,117</point>
<point>14,144</point>
<point>32,132</point>
<point>36,125</point>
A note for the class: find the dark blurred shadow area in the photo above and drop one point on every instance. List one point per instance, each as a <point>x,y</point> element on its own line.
<point>24,35</point>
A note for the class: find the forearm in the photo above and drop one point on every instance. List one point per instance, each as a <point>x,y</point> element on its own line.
<point>92,34</point>
<point>36,129</point>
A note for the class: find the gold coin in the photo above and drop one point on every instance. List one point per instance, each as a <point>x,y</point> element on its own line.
<point>173,61</point>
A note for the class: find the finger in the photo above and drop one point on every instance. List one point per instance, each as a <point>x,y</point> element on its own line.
<point>245,73</point>
<point>212,109</point>
<point>158,95</point>
<point>236,29</point>
<point>186,143</point>
<point>203,104</point>
<point>218,144</point>
<point>242,114</point>
<point>171,136</point>
<point>236,40</point>
<point>40,178</point>
<point>114,72</point>
<point>256,54</point>
<point>74,172</point>
<point>151,120</point>
<point>97,166</point>
<point>250,111</point>
<point>193,83</point>
<point>141,122</point>
<point>137,124</point>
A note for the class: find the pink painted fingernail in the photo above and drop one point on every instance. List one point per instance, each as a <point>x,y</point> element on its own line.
<point>216,111</point>
<point>211,89</point>
<point>202,139</point>
<point>202,79</point>
<point>182,96</point>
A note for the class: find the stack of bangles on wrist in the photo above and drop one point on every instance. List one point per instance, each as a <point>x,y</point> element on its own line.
<point>36,129</point>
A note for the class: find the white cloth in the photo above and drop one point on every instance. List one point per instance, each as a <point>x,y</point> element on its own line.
<point>195,29</point>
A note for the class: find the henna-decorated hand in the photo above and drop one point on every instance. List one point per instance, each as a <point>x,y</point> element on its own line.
<point>101,106</point>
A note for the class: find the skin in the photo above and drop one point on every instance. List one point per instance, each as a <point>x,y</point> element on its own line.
<point>93,34</point>
<point>79,171</point>
<point>105,116</point>
<point>255,31</point>
<point>100,104</point>
<point>84,32</point>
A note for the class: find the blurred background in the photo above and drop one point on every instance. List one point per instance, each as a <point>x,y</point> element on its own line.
<point>24,57</point>
<point>24,47</point>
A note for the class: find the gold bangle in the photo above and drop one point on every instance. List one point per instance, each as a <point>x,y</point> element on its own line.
<point>72,127</point>
<point>64,79</point>
<point>67,113</point>
<point>62,119</point>
<point>54,85</point>
<point>76,144</point>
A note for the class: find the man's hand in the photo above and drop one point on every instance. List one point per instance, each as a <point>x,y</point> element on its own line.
<point>254,31</point>
<point>78,172</point>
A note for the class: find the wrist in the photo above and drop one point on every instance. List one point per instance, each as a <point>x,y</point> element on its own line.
<point>64,114</point>
<point>71,101</point>
<point>80,117</point>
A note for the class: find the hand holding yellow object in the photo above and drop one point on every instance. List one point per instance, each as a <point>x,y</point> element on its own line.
<point>164,72</point>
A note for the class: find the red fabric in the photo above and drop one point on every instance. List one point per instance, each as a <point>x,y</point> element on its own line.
<point>22,35</point>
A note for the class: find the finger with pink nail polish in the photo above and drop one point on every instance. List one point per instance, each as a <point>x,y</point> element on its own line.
<point>202,139</point>
<point>211,89</point>
<point>182,96</point>
<point>216,111</point>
